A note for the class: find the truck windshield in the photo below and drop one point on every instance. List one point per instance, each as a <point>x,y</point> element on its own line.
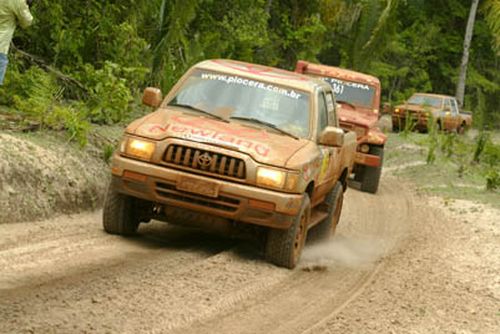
<point>424,100</point>
<point>238,98</point>
<point>358,94</point>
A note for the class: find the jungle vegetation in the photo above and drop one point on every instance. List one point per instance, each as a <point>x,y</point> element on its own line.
<point>87,61</point>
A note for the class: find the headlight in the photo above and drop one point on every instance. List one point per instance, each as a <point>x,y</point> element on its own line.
<point>360,131</point>
<point>273,178</point>
<point>396,110</point>
<point>137,148</point>
<point>268,177</point>
<point>365,148</point>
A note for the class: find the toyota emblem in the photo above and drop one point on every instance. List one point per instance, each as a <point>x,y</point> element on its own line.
<point>205,160</point>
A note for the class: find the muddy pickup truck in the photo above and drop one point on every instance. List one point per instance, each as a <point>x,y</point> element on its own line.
<point>235,146</point>
<point>420,109</point>
<point>359,97</point>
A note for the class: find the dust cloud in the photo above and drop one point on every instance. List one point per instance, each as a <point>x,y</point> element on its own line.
<point>342,251</point>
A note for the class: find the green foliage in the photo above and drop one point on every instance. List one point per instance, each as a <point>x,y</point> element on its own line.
<point>109,95</point>
<point>71,119</point>
<point>492,179</point>
<point>107,152</point>
<point>37,96</point>
<point>116,48</point>
<point>32,93</point>
<point>492,13</point>
<point>491,159</point>
<point>459,151</point>
<point>482,140</point>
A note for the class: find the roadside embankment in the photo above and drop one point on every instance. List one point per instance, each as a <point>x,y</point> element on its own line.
<point>41,174</point>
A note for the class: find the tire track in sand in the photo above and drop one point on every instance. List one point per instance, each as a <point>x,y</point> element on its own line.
<point>181,281</point>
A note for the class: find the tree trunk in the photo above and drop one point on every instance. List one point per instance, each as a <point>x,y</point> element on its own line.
<point>268,6</point>
<point>465,57</point>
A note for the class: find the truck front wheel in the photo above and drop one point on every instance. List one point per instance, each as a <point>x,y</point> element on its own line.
<point>284,247</point>
<point>369,177</point>
<point>333,207</point>
<point>461,129</point>
<point>119,214</point>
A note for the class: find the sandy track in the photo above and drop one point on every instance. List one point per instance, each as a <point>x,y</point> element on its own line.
<point>67,275</point>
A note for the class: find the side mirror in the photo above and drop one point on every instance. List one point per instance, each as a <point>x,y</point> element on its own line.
<point>332,136</point>
<point>152,97</point>
<point>386,109</point>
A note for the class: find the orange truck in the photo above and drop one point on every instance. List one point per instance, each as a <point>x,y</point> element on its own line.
<point>239,146</point>
<point>359,97</point>
<point>422,108</point>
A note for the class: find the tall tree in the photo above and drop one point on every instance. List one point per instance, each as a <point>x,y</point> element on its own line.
<point>492,9</point>
<point>465,57</point>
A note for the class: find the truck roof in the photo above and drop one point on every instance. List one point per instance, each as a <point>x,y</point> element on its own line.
<point>336,72</point>
<point>261,72</point>
<point>434,95</point>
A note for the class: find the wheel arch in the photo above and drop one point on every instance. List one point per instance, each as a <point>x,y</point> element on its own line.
<point>343,178</point>
<point>310,189</point>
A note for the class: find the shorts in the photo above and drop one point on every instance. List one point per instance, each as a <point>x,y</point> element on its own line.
<point>3,66</point>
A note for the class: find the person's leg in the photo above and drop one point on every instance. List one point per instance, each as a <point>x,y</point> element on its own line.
<point>3,66</point>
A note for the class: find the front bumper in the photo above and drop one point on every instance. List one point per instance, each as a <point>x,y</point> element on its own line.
<point>238,202</point>
<point>367,159</point>
<point>419,122</point>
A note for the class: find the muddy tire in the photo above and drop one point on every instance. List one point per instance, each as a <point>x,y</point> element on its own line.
<point>461,129</point>
<point>333,206</point>
<point>284,247</point>
<point>439,126</point>
<point>119,215</point>
<point>369,177</point>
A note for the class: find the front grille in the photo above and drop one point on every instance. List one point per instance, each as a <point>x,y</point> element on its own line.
<point>360,131</point>
<point>205,161</point>
<point>221,202</point>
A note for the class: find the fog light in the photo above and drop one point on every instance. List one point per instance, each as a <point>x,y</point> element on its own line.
<point>137,148</point>
<point>365,148</point>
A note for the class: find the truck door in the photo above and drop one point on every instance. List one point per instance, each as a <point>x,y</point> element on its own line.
<point>447,117</point>
<point>455,115</point>
<point>329,164</point>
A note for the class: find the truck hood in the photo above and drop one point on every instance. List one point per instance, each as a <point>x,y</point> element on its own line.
<point>364,122</point>
<point>263,146</point>
<point>357,116</point>
<point>415,107</point>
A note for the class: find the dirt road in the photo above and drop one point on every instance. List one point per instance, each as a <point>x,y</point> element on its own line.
<point>399,263</point>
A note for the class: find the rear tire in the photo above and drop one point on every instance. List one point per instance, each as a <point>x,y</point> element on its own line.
<point>284,247</point>
<point>333,206</point>
<point>395,127</point>
<point>119,214</point>
<point>369,177</point>
<point>461,129</point>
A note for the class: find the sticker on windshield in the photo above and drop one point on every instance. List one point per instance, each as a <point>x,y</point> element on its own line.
<point>338,86</point>
<point>236,80</point>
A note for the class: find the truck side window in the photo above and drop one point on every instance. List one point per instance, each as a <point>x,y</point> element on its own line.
<point>447,105</point>
<point>330,105</point>
<point>454,107</point>
<point>322,112</point>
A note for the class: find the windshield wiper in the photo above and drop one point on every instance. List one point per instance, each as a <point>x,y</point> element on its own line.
<point>269,125</point>
<point>348,103</point>
<point>190,107</point>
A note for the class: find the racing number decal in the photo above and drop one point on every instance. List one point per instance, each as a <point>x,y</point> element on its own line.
<point>325,163</point>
